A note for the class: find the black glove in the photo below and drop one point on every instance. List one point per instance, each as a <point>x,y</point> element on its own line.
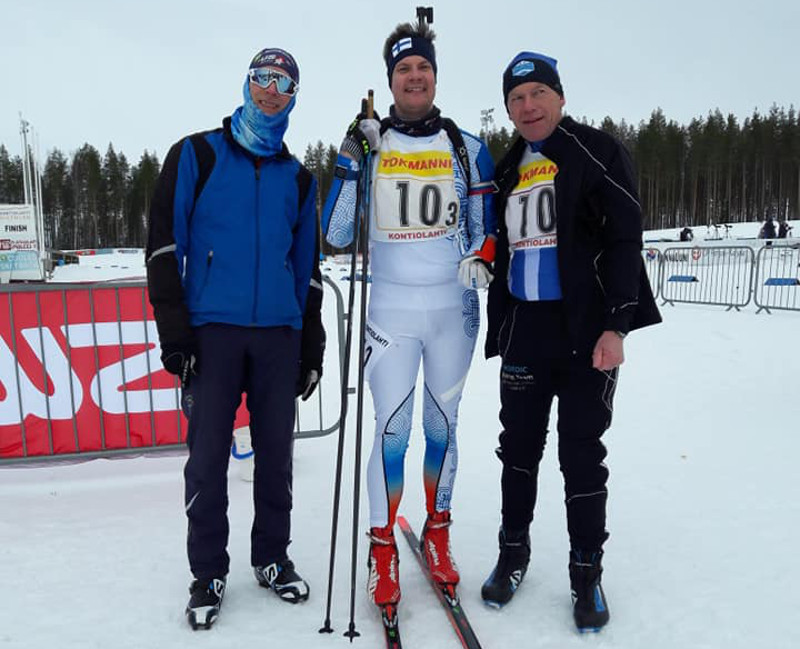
<point>307,383</point>
<point>180,359</point>
<point>311,352</point>
<point>312,349</point>
<point>363,135</point>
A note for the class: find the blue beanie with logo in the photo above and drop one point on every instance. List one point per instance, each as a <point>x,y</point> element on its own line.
<point>531,66</point>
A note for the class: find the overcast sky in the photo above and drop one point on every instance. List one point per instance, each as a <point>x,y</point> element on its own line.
<point>143,74</point>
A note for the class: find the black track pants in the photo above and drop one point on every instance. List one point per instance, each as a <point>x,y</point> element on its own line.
<point>585,403</point>
<point>264,363</point>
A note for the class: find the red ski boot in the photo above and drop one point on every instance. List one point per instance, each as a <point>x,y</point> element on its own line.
<point>436,549</point>
<point>383,584</point>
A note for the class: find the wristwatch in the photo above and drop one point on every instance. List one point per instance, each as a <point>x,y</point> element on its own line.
<point>621,335</point>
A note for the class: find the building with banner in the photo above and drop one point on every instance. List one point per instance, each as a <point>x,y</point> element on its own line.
<point>22,242</point>
<point>19,244</point>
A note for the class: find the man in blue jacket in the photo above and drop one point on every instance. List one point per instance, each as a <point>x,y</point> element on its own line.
<point>233,277</point>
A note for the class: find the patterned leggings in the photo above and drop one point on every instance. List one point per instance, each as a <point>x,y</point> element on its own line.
<point>437,325</point>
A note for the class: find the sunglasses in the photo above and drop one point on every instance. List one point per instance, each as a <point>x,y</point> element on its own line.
<point>284,84</point>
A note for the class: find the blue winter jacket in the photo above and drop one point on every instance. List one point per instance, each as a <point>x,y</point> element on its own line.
<point>233,237</point>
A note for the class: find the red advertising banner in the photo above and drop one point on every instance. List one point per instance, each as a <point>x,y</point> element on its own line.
<point>80,371</point>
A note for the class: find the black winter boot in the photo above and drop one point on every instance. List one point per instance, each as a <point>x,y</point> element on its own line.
<point>515,553</point>
<point>204,602</point>
<point>282,578</point>
<point>589,606</point>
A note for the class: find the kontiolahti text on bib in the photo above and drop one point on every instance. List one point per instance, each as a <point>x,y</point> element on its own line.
<point>414,196</point>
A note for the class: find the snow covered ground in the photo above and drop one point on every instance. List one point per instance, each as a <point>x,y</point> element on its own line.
<point>106,267</point>
<point>722,234</point>
<point>703,516</point>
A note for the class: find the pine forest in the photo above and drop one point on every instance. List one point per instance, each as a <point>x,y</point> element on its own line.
<point>712,171</point>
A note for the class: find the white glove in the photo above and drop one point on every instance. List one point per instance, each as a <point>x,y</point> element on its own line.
<point>371,128</point>
<point>474,272</point>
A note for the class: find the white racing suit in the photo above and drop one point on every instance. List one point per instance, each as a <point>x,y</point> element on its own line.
<point>423,221</point>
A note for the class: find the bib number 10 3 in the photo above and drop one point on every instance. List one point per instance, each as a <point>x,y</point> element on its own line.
<point>430,206</point>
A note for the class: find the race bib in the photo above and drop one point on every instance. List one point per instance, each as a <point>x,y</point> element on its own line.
<point>414,191</point>
<point>531,207</point>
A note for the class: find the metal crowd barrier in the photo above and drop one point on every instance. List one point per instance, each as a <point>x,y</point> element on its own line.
<point>80,374</point>
<point>653,264</point>
<point>719,275</point>
<point>777,283</point>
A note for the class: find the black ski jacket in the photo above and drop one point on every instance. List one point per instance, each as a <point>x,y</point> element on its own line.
<point>599,225</point>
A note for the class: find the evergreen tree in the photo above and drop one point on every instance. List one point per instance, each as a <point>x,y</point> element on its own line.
<point>498,142</point>
<point>86,182</point>
<point>648,153</point>
<point>12,188</point>
<point>58,201</point>
<point>115,189</point>
<point>321,162</point>
<point>623,131</point>
<point>794,155</point>
<point>675,163</point>
<point>329,168</point>
<point>314,161</point>
<point>143,179</point>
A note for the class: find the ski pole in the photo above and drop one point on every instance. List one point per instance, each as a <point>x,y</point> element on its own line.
<point>366,187</point>
<point>345,392</point>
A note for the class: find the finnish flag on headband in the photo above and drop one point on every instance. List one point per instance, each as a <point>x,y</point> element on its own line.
<point>399,46</point>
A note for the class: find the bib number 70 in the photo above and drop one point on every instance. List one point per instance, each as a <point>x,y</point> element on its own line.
<point>544,210</point>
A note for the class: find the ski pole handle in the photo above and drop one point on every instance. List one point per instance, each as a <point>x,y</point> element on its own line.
<point>370,104</point>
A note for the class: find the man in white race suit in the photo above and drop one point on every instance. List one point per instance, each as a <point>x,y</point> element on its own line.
<point>431,246</point>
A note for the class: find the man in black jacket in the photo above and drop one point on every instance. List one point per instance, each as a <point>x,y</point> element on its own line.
<point>569,286</point>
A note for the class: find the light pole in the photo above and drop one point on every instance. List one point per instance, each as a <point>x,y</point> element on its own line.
<point>32,184</point>
<point>487,121</point>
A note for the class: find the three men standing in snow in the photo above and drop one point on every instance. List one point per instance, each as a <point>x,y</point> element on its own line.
<point>556,237</point>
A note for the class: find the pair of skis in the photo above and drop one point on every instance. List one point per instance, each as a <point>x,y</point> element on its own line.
<point>446,595</point>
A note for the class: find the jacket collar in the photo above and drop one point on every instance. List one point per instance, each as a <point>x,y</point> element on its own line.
<point>507,174</point>
<point>553,147</point>
<point>226,128</point>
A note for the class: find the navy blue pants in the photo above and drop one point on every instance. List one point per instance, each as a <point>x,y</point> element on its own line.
<point>264,364</point>
<point>537,367</point>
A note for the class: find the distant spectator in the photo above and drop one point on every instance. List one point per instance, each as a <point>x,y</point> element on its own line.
<point>783,229</point>
<point>687,234</point>
<point>767,230</point>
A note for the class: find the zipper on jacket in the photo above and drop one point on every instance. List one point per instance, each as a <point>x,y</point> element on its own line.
<point>256,241</point>
<point>209,259</point>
